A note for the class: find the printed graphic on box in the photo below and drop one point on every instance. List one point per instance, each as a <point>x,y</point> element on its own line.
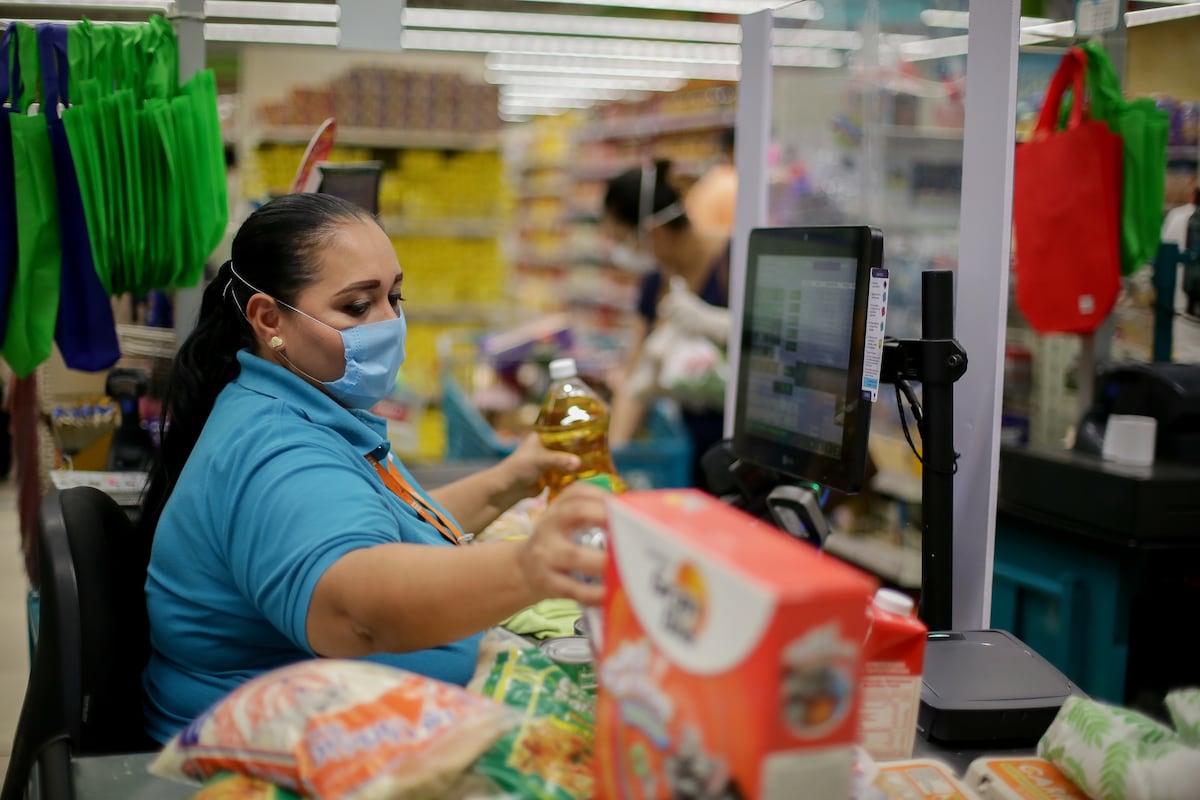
<point>730,657</point>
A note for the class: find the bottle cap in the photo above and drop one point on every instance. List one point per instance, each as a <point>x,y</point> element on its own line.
<point>893,601</point>
<point>562,368</point>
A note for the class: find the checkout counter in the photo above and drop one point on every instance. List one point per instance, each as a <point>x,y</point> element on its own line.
<point>1097,563</point>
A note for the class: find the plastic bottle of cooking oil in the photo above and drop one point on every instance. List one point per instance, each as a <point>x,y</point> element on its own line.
<point>574,419</point>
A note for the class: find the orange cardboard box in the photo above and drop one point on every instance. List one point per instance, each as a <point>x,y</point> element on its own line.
<point>729,659</point>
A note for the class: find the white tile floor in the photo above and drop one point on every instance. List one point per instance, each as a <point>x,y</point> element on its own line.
<point>14,647</point>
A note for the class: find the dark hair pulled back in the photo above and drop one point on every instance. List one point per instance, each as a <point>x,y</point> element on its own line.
<point>623,197</point>
<point>276,250</point>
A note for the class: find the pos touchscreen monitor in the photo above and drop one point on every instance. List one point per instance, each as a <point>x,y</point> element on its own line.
<point>358,183</point>
<point>808,369</point>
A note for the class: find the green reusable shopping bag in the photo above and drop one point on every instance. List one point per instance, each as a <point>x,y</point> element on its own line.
<point>152,51</point>
<point>33,306</point>
<point>134,200</point>
<point>83,133</point>
<point>203,195</point>
<point>79,56</point>
<point>1143,128</point>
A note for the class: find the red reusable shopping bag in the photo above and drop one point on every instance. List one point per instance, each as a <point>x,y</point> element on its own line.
<point>1066,212</point>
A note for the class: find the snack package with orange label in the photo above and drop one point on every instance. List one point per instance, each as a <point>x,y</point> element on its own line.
<point>731,656</point>
<point>918,779</point>
<point>1020,779</point>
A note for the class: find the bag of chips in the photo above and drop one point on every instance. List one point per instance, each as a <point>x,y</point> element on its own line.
<point>231,786</point>
<point>549,756</point>
<point>340,730</point>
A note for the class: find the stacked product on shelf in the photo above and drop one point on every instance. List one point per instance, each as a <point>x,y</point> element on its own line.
<point>539,156</point>
<point>371,97</point>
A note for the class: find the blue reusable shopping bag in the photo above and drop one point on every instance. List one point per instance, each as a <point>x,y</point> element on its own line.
<point>8,203</point>
<point>85,331</point>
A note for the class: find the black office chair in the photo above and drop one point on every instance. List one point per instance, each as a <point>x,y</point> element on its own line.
<point>84,695</point>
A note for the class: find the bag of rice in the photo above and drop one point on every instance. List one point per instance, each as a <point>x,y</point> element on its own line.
<point>340,730</point>
<point>549,756</point>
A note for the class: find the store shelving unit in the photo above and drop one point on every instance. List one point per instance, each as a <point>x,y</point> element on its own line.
<point>381,138</point>
<point>559,168</point>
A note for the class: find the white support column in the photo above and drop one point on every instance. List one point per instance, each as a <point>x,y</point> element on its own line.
<point>753,137</point>
<point>982,296</point>
<point>189,27</point>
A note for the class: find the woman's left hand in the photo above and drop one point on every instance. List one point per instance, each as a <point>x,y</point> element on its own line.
<point>530,461</point>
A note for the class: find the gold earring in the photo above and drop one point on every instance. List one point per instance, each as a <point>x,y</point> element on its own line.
<point>276,342</point>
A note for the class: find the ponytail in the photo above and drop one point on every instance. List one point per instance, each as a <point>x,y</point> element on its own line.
<point>276,250</point>
<point>203,367</point>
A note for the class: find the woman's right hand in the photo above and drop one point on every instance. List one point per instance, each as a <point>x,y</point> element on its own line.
<point>550,557</point>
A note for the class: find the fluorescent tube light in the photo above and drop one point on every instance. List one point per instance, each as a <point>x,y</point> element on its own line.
<point>582,81</point>
<point>940,18</point>
<point>572,25</point>
<point>272,12</point>
<point>109,5</point>
<point>1149,16</point>
<point>270,34</point>
<point>618,49</point>
<point>550,95</point>
<point>803,10</point>
<point>600,67</point>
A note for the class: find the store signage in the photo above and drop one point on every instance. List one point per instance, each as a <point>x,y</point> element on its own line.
<point>1097,16</point>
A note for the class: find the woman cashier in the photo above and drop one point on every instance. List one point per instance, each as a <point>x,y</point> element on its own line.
<point>284,529</point>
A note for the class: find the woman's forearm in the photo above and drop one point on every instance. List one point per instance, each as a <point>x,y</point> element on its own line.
<point>627,415</point>
<point>397,598</point>
<point>476,501</point>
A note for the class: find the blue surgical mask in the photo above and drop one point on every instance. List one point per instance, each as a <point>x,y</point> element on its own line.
<point>374,353</point>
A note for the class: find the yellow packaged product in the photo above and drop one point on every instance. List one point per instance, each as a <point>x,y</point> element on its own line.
<point>1020,779</point>
<point>919,779</point>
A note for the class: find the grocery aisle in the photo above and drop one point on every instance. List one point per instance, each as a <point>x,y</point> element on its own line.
<point>14,650</point>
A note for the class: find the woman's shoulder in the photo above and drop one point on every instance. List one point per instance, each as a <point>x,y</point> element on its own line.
<point>244,422</point>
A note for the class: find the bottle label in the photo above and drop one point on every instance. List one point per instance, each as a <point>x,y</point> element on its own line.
<point>891,697</point>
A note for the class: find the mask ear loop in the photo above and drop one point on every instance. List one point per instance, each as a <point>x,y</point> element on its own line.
<point>646,194</point>
<point>242,311</point>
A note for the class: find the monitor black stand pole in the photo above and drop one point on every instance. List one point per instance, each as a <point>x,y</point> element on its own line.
<point>978,686</point>
<point>936,361</point>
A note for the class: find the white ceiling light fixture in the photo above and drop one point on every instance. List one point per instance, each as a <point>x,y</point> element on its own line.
<point>810,9</point>
<point>106,5</point>
<point>270,34</point>
<point>517,103</point>
<point>572,46</point>
<point>573,81</point>
<point>272,12</point>
<point>522,93</point>
<point>941,18</point>
<point>532,63</point>
<point>573,25</point>
<point>1149,16</point>
<point>806,57</point>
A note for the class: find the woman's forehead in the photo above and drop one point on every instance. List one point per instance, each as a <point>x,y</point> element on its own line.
<point>359,250</point>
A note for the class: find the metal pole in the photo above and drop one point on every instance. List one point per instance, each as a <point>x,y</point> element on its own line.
<point>753,127</point>
<point>937,445</point>
<point>189,27</point>
<point>1095,349</point>
<point>985,228</point>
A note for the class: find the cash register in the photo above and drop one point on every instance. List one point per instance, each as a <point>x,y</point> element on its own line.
<point>812,361</point>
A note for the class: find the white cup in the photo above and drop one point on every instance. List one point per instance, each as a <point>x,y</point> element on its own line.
<point>1129,439</point>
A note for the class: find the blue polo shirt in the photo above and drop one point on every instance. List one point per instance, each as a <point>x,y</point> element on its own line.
<point>276,490</point>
